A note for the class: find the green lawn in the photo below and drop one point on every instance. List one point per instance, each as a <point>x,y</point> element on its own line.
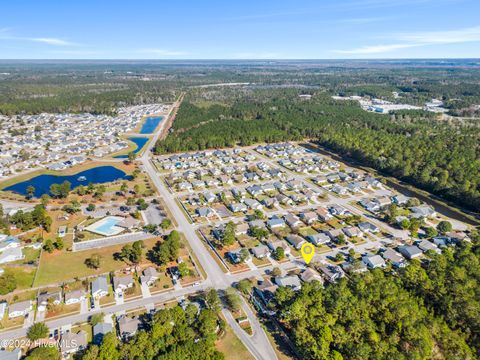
<point>65,265</point>
<point>232,347</point>
<point>23,275</point>
<point>306,231</point>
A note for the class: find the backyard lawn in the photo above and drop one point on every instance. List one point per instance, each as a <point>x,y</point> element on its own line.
<point>53,267</point>
<point>23,275</point>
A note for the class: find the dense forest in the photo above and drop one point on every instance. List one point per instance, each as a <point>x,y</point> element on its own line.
<point>439,156</point>
<point>421,313</point>
<point>101,86</point>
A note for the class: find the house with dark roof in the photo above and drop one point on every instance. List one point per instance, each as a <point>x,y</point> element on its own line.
<point>100,330</point>
<point>127,326</point>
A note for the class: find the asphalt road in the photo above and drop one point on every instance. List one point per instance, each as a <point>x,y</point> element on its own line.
<point>258,343</point>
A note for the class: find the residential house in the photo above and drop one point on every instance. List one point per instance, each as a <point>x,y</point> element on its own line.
<point>11,254</point>
<point>19,309</point>
<point>332,273</point>
<point>100,330</point>
<point>150,276</point>
<point>308,217</point>
<point>355,267</point>
<point>254,190</point>
<point>373,261</point>
<point>383,201</point>
<point>352,231</point>
<point>237,207</point>
<point>423,211</point>
<point>266,290</point>
<point>368,227</point>
<point>284,200</point>
<point>205,212</point>
<point>311,275</point>
<point>74,297</point>
<point>99,287</point>
<point>296,241</point>
<point>292,220</point>
<point>318,239</point>
<point>410,252</point>
<point>371,205</point>
<point>340,190</point>
<point>337,210</point>
<point>400,199</point>
<point>334,233</point>
<point>45,298</point>
<point>235,256</point>
<point>279,243</point>
<point>275,222</point>
<point>394,257</point>
<point>209,197</point>
<point>323,214</point>
<point>120,284</point>
<point>72,342</point>
<point>426,245</point>
<point>253,204</point>
<point>257,224</point>
<point>128,327</point>
<point>260,251</point>
<point>290,281</point>
<point>241,229</point>
<point>270,202</point>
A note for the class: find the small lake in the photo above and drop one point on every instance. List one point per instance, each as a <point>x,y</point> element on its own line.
<point>139,141</point>
<point>150,124</point>
<point>96,175</point>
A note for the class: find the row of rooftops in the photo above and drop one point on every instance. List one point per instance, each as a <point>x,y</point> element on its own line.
<point>52,137</point>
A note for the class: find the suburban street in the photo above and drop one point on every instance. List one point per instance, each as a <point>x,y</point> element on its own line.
<point>258,344</point>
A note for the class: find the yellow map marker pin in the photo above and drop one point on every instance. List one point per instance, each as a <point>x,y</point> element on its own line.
<point>307,250</point>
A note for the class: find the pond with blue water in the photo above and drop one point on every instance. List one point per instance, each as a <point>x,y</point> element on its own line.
<point>150,124</point>
<point>139,141</point>
<point>96,175</point>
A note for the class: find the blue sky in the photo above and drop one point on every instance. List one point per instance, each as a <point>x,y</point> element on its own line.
<point>239,29</point>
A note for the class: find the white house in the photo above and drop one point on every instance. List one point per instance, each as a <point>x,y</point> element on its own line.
<point>120,284</point>
<point>19,309</point>
<point>99,287</point>
<point>12,254</point>
<point>74,297</point>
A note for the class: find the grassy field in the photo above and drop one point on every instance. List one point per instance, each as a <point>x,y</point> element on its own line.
<point>64,265</point>
<point>23,275</point>
<point>232,347</point>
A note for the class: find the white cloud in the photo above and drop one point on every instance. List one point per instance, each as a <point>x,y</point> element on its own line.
<point>6,34</point>
<point>51,41</point>
<point>408,40</point>
<point>375,49</point>
<point>443,37</point>
<point>162,52</point>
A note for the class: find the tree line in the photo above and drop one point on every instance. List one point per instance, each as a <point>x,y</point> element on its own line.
<point>440,157</point>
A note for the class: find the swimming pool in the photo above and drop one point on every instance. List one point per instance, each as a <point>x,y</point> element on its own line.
<point>107,226</point>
